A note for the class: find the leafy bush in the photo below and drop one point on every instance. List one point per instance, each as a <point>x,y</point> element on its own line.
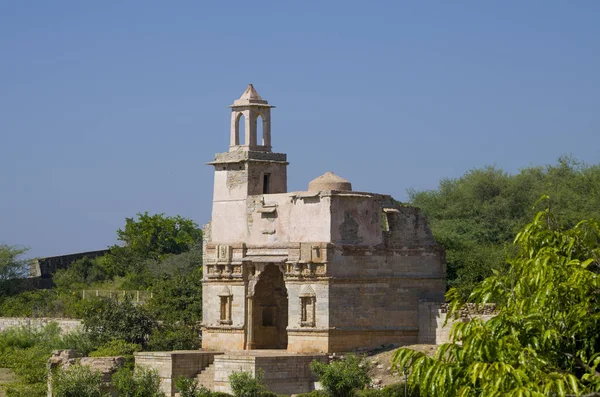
<point>27,304</point>
<point>543,339</point>
<point>243,384</point>
<point>30,364</point>
<point>314,393</point>
<point>117,347</point>
<point>79,274</point>
<point>176,298</point>
<point>174,337</point>
<point>190,388</point>
<point>26,353</point>
<point>77,381</point>
<point>108,319</point>
<point>341,378</point>
<point>77,340</point>
<point>139,383</point>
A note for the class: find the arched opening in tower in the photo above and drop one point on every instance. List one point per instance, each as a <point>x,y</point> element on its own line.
<point>259,131</point>
<point>240,129</point>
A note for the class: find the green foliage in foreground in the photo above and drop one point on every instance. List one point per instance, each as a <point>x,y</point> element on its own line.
<point>118,347</point>
<point>475,217</point>
<point>26,353</point>
<point>243,384</point>
<point>544,340</point>
<point>342,378</point>
<point>77,381</point>
<point>140,382</point>
<point>190,388</point>
<point>393,390</point>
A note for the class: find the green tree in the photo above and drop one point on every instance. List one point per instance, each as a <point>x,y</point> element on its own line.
<point>12,266</point>
<point>178,298</point>
<point>543,341</point>
<point>475,216</point>
<point>109,319</point>
<point>149,239</point>
<point>342,378</point>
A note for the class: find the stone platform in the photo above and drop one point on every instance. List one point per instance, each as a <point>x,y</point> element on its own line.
<point>283,372</point>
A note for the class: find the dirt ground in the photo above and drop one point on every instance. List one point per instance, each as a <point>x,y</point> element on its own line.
<point>381,371</point>
<point>6,376</point>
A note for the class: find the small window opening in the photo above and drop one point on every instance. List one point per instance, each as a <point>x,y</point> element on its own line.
<point>226,309</point>
<point>268,316</point>
<point>307,311</point>
<point>266,180</point>
<point>385,225</point>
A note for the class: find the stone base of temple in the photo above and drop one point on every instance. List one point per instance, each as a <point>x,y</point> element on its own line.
<point>283,372</point>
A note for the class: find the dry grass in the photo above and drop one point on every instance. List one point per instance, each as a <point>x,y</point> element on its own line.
<point>6,376</point>
<point>381,367</point>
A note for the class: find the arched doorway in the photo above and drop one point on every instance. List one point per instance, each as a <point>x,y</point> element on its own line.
<point>270,314</point>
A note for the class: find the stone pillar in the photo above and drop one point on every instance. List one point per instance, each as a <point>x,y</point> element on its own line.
<point>250,325</point>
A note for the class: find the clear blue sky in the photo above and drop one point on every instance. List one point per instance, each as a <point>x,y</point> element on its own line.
<point>110,108</point>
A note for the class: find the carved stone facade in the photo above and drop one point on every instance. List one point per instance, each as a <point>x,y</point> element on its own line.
<point>323,270</point>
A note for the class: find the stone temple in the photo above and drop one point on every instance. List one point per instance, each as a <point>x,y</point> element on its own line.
<point>290,277</point>
<point>324,270</point>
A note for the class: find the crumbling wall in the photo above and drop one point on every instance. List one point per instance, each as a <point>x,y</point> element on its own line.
<point>107,366</point>
<point>435,326</point>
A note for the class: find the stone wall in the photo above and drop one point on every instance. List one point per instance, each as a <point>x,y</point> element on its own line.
<point>433,327</point>
<point>171,365</point>
<point>283,373</point>
<point>107,366</point>
<point>66,325</point>
<point>46,267</point>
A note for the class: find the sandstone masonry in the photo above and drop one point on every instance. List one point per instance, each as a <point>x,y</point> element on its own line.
<point>323,270</point>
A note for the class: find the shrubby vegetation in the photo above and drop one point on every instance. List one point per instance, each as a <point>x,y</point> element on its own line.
<point>140,382</point>
<point>77,381</point>
<point>476,216</point>
<point>26,353</point>
<point>243,384</point>
<point>544,339</point>
<point>12,265</point>
<point>160,254</point>
<point>342,378</point>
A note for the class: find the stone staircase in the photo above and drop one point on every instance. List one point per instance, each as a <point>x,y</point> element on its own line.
<point>206,377</point>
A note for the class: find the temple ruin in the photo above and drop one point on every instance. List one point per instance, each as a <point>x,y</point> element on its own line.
<point>328,269</point>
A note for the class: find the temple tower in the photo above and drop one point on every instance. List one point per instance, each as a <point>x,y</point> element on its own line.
<point>249,168</point>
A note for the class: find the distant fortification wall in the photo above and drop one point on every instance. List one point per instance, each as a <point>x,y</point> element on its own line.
<point>66,325</point>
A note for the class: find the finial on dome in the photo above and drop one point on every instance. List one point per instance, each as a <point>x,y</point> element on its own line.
<point>329,181</point>
<point>251,97</point>
<point>250,93</point>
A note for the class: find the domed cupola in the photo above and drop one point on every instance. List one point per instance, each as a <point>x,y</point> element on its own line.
<point>329,181</point>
